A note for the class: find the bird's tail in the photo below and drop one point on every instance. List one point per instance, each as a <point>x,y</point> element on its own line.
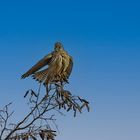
<point>41,75</point>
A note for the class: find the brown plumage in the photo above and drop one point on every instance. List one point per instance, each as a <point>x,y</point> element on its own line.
<point>59,63</point>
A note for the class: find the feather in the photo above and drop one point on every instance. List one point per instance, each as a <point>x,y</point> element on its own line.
<point>38,66</point>
<point>40,76</point>
<point>69,68</point>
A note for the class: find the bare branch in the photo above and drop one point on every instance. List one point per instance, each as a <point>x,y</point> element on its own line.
<point>42,109</point>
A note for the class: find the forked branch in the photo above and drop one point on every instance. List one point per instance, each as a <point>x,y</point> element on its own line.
<point>42,110</point>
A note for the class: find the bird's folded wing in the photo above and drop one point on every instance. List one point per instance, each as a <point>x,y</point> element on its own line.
<point>69,69</point>
<point>38,66</point>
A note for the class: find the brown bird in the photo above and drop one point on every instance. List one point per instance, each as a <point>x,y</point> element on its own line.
<point>59,63</point>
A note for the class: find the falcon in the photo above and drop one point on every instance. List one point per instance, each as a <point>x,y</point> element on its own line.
<point>59,67</point>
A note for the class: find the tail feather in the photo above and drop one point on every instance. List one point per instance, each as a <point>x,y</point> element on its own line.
<point>41,75</point>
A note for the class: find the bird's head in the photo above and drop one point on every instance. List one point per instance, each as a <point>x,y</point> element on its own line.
<point>58,47</point>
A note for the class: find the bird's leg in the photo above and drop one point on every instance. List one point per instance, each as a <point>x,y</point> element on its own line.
<point>61,85</point>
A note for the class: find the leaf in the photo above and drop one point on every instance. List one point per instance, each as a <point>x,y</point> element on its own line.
<point>64,106</point>
<point>80,99</point>
<point>88,108</point>
<point>83,106</point>
<point>74,113</point>
<point>74,108</point>
<point>27,92</point>
<point>85,101</point>
<point>42,135</point>
<point>70,107</point>
<point>57,101</point>
<point>33,93</point>
<point>34,138</point>
<point>78,108</point>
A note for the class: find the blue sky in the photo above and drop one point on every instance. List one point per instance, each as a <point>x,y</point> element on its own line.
<point>104,39</point>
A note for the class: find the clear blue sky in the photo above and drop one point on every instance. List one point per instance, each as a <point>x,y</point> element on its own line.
<point>104,39</point>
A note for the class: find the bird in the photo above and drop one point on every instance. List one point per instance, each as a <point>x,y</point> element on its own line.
<point>59,67</point>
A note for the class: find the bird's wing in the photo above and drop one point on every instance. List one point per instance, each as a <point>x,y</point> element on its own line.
<point>38,66</point>
<point>69,69</point>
